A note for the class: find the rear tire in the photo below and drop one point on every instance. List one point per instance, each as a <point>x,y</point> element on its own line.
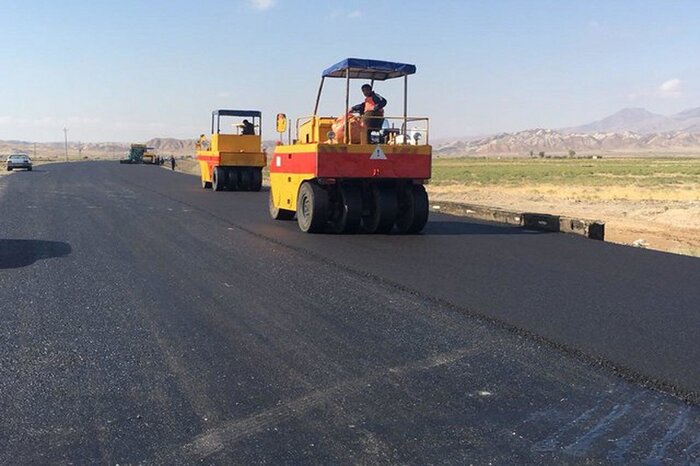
<point>29,169</point>
<point>382,211</point>
<point>277,213</point>
<point>246,179</point>
<point>257,179</point>
<point>312,208</point>
<point>348,212</point>
<point>413,209</point>
<point>233,180</point>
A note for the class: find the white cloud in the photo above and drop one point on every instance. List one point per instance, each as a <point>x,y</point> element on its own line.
<point>671,88</point>
<point>262,4</point>
<point>335,14</point>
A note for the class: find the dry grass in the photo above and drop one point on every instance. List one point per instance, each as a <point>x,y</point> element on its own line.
<point>655,200</point>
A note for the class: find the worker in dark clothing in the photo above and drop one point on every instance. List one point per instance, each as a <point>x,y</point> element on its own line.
<point>248,127</point>
<point>372,111</point>
<point>172,162</point>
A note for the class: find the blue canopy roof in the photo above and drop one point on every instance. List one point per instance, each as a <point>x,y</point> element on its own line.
<point>369,69</point>
<point>237,113</point>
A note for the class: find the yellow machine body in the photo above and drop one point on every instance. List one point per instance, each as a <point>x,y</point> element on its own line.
<point>231,150</point>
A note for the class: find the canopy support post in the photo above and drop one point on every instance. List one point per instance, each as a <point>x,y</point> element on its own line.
<point>318,97</point>
<point>405,107</point>
<point>347,104</point>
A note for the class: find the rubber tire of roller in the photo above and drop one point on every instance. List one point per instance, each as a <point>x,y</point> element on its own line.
<point>277,213</point>
<point>233,179</point>
<point>312,208</point>
<point>349,218</point>
<point>257,180</point>
<point>246,179</point>
<point>218,179</point>
<point>383,210</point>
<point>415,209</point>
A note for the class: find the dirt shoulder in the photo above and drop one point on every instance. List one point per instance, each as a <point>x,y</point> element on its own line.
<point>665,225</point>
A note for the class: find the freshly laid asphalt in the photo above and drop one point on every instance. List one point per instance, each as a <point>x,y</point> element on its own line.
<point>145,320</point>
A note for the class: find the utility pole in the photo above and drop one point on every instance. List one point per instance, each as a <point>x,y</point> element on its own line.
<point>65,134</point>
<point>80,150</point>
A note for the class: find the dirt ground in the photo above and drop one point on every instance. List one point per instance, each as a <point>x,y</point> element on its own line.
<point>667,221</point>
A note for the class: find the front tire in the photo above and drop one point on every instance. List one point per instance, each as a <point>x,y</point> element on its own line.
<point>277,213</point>
<point>312,208</point>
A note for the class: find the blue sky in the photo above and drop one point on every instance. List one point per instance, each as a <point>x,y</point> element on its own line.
<point>128,70</point>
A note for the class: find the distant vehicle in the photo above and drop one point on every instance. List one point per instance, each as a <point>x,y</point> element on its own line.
<point>139,153</point>
<point>19,161</point>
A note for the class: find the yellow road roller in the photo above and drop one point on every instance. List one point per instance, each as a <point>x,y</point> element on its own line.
<point>232,161</point>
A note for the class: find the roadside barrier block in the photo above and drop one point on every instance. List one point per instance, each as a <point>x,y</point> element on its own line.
<point>541,222</point>
<point>593,229</point>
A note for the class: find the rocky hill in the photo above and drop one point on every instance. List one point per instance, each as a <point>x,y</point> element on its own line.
<point>172,146</point>
<point>630,129</point>
<point>104,150</point>
<point>551,141</point>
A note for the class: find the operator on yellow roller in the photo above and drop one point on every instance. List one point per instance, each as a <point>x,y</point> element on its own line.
<point>372,111</point>
<point>248,127</point>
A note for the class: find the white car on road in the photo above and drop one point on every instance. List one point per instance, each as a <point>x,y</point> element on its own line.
<point>19,161</point>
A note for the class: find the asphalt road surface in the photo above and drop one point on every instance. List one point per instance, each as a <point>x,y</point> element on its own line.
<point>144,320</point>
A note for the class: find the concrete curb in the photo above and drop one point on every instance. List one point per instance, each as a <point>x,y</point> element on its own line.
<point>593,229</point>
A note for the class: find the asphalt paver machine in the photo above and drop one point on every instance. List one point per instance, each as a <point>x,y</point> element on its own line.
<point>139,153</point>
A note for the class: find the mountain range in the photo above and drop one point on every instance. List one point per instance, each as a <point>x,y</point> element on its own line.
<point>630,129</point>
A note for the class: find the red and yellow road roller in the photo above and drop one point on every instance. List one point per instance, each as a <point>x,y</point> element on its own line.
<point>355,172</point>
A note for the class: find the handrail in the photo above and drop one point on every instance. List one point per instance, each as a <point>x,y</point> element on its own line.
<point>403,119</point>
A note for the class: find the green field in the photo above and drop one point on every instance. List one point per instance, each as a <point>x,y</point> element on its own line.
<point>683,173</point>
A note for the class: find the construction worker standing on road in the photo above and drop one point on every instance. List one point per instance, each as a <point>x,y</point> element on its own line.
<point>172,162</point>
<point>372,111</point>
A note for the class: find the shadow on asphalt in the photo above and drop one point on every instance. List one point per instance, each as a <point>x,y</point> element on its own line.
<point>436,228</point>
<point>16,253</point>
